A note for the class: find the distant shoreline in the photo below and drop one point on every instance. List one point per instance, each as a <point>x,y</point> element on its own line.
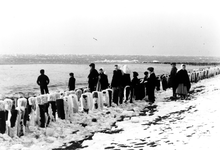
<point>189,63</point>
<point>145,62</point>
<point>105,59</point>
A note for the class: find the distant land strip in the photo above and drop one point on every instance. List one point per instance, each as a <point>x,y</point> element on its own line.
<point>189,63</point>
<point>106,59</point>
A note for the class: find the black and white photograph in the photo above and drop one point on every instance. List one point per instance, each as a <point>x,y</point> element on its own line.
<point>109,75</point>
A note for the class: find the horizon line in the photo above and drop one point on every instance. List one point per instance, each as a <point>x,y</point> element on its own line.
<point>107,55</point>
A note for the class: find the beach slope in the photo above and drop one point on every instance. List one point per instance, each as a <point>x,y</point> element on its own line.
<point>181,124</point>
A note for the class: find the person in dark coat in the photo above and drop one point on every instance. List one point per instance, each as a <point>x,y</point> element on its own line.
<point>145,81</point>
<point>102,81</point>
<point>126,79</point>
<point>163,79</point>
<point>172,79</point>
<point>72,82</point>
<point>182,79</point>
<point>135,82</point>
<point>151,84</point>
<point>117,86</point>
<point>158,83</point>
<point>43,81</point>
<point>93,77</point>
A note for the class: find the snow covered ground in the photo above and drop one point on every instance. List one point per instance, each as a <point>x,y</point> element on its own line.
<point>181,124</point>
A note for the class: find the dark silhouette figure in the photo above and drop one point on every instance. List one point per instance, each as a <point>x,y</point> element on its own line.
<point>117,86</point>
<point>72,81</point>
<point>151,84</point>
<point>43,81</point>
<point>93,77</point>
<point>135,83</point>
<point>102,81</point>
<point>172,79</point>
<point>164,83</point>
<point>145,81</point>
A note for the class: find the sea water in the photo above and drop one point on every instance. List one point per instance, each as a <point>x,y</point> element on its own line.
<point>22,78</point>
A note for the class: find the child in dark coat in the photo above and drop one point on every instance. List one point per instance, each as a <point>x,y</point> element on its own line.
<point>72,81</point>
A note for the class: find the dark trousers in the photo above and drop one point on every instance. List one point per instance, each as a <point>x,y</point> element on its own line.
<point>44,90</point>
<point>132,95</point>
<point>174,91</point>
<point>43,110</point>
<point>117,95</point>
<point>136,93</point>
<point>151,96</point>
<point>92,88</point>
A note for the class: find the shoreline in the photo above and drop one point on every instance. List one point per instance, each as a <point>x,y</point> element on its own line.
<point>113,120</point>
<point>120,62</point>
<point>87,59</point>
<point>188,63</point>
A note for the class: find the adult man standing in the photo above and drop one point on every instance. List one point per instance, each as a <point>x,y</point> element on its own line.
<point>43,81</point>
<point>117,86</point>
<point>102,81</point>
<point>172,79</point>
<point>93,77</point>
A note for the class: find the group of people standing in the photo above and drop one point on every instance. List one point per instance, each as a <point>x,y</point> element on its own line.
<point>122,84</point>
<point>179,81</point>
<point>125,88</point>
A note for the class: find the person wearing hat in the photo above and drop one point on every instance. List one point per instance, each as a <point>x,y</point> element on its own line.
<point>151,84</point>
<point>172,79</point>
<point>43,81</point>
<point>92,77</point>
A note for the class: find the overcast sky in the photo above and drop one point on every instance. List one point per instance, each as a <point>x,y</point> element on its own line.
<point>148,27</point>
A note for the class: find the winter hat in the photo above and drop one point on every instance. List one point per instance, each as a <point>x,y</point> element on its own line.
<point>135,74</point>
<point>151,69</point>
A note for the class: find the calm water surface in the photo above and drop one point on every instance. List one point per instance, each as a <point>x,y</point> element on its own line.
<point>22,78</point>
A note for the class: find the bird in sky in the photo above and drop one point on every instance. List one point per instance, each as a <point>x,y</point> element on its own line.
<point>95,39</point>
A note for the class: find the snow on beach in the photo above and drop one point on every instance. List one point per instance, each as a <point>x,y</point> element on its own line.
<point>181,124</point>
<point>167,124</point>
